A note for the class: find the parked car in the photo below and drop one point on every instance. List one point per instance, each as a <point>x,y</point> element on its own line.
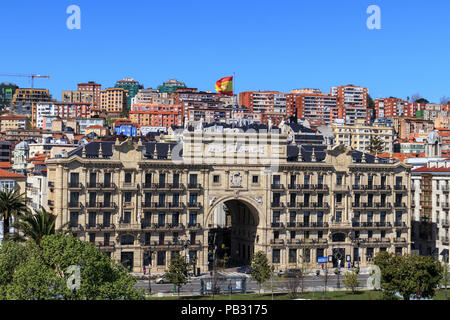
<point>161,280</point>
<point>245,269</point>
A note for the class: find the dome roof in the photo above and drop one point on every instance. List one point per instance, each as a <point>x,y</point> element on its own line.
<point>22,145</point>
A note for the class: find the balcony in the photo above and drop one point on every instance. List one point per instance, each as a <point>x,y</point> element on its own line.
<point>341,188</point>
<point>194,205</point>
<point>400,205</point>
<point>445,223</point>
<point>163,186</point>
<point>308,187</point>
<point>381,225</point>
<point>127,227</point>
<point>276,242</point>
<point>129,186</point>
<point>75,227</point>
<point>101,206</point>
<point>51,184</point>
<point>400,240</point>
<point>340,225</point>
<point>314,205</point>
<point>445,188</point>
<point>101,186</point>
<point>276,205</point>
<point>194,186</point>
<point>400,224</point>
<point>277,225</point>
<point>75,186</point>
<point>50,203</point>
<point>277,186</point>
<point>370,188</point>
<point>445,205</point>
<point>444,240</point>
<point>106,246</point>
<point>75,205</point>
<point>194,226</point>
<point>399,188</point>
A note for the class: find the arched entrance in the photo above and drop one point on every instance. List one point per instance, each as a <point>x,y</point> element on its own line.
<point>232,234</point>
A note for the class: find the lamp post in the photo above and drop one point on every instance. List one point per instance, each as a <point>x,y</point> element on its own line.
<point>338,285</point>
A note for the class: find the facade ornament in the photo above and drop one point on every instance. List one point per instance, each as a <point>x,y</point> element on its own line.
<point>155,153</point>
<point>236,180</point>
<point>363,157</point>
<point>212,201</point>
<point>83,153</point>
<point>258,200</point>
<point>313,156</point>
<point>100,151</point>
<point>169,153</point>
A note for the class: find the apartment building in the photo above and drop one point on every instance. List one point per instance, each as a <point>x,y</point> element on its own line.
<point>352,103</point>
<point>390,107</point>
<point>113,101</point>
<point>217,193</point>
<point>430,208</point>
<point>78,97</point>
<point>312,106</point>
<point>407,127</point>
<point>13,122</point>
<point>60,110</point>
<point>25,99</point>
<point>156,115</point>
<point>93,88</point>
<point>358,136</point>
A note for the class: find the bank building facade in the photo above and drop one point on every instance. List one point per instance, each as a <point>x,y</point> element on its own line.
<point>207,193</point>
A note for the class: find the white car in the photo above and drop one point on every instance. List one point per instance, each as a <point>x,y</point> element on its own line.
<point>160,280</point>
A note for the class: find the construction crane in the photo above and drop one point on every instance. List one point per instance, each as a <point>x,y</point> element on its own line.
<point>32,76</point>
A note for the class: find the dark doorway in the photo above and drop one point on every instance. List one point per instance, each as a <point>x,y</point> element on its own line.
<point>126,259</point>
<point>232,240</point>
<point>338,254</point>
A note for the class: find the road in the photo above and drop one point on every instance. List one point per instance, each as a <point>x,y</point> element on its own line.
<point>315,283</point>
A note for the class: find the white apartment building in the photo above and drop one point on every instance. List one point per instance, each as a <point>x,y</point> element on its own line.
<point>430,209</point>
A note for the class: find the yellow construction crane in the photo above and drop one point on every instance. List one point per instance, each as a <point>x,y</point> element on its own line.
<point>32,76</point>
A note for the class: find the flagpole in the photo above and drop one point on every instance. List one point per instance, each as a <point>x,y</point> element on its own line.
<point>234,79</point>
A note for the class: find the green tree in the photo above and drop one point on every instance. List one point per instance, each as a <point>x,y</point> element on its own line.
<point>445,277</point>
<point>376,145</point>
<point>41,271</point>
<point>261,271</point>
<point>351,280</point>
<point>36,225</point>
<point>410,275</point>
<point>178,272</point>
<point>12,205</point>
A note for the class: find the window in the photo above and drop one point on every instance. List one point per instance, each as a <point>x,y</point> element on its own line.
<point>127,239</point>
<point>127,217</point>
<point>92,237</point>
<point>127,197</point>
<point>276,180</point>
<point>128,177</point>
<point>319,252</point>
<point>161,219</point>
<point>161,258</point>
<point>106,238</point>
<point>339,198</point>
<point>292,255</point>
<point>161,237</point>
<point>276,256</point>
<point>192,218</point>
<point>339,179</point>
<point>254,179</point>
<point>338,216</point>
<point>216,178</point>
<point>307,255</point>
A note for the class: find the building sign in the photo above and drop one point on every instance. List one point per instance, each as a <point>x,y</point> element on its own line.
<point>235,148</point>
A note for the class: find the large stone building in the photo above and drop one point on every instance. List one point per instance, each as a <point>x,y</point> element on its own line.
<point>233,191</point>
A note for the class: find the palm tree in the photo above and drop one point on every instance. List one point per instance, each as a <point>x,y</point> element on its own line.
<point>13,204</point>
<point>36,225</point>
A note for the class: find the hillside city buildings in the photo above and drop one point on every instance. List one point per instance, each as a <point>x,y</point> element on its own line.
<point>144,173</point>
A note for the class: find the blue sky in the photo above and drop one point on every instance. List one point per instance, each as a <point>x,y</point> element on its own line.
<point>270,45</point>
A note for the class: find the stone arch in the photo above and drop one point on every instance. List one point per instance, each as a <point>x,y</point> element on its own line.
<point>235,234</point>
<point>246,200</point>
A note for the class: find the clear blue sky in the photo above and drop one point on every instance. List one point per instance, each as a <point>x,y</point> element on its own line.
<point>270,45</point>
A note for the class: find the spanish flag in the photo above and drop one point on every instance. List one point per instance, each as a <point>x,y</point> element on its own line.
<point>225,86</point>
